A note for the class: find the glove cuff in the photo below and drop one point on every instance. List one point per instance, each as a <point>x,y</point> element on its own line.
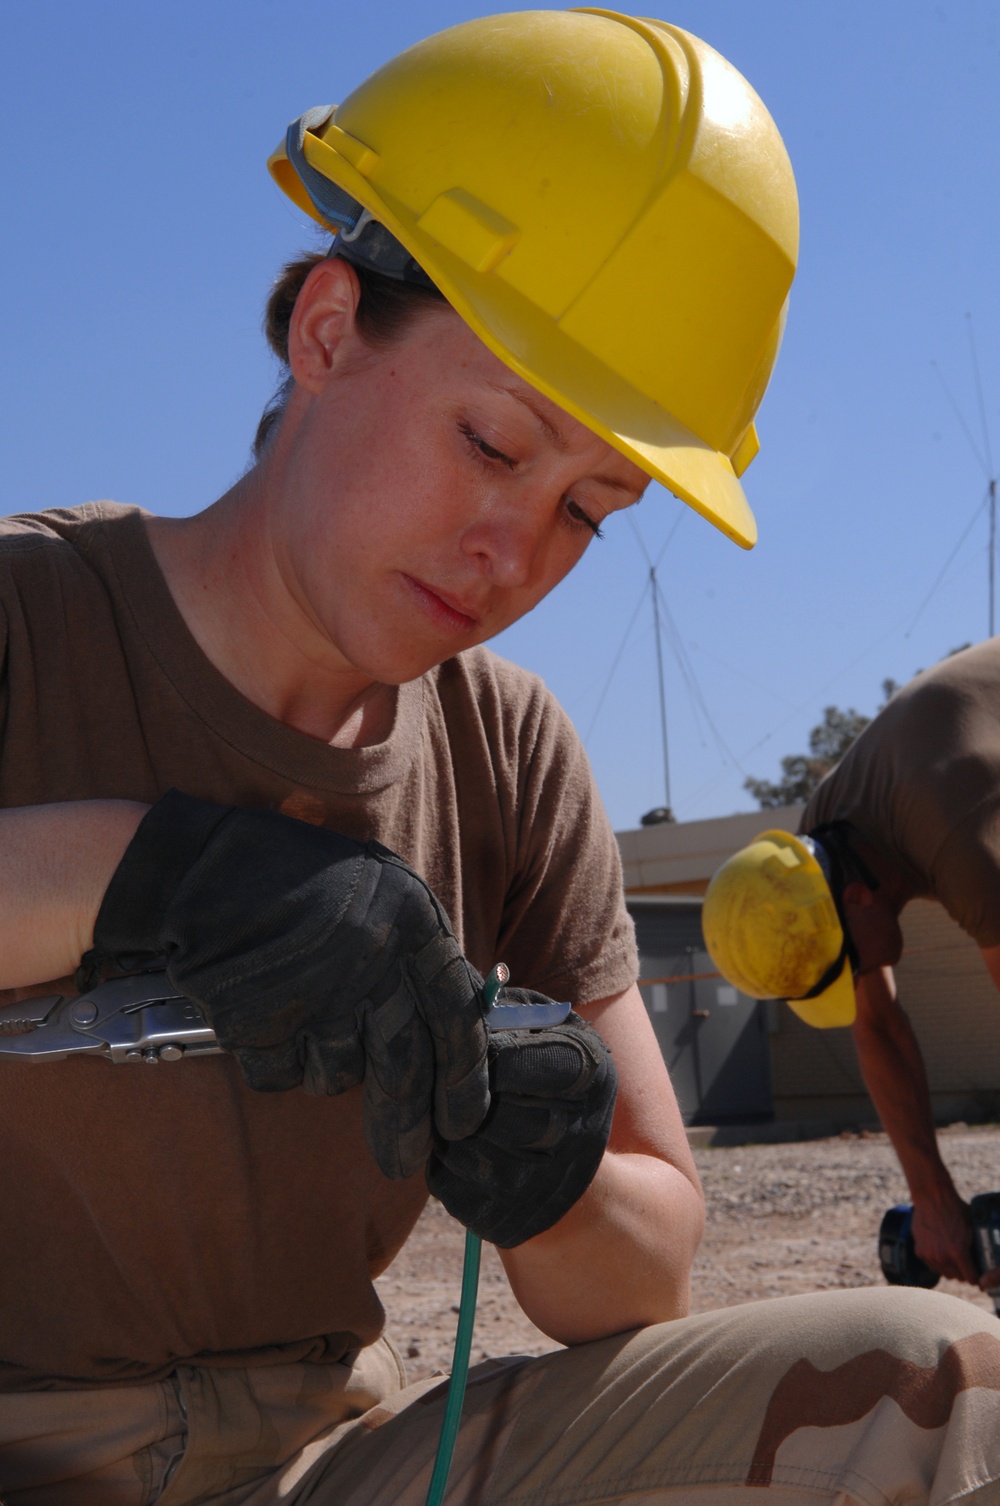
<point>168,840</point>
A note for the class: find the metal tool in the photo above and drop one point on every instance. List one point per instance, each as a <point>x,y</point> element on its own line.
<point>502,1016</point>
<point>902,1266</point>
<point>135,1019</point>
<point>144,1018</point>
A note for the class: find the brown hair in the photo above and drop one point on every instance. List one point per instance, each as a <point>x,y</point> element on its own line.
<point>385,309</point>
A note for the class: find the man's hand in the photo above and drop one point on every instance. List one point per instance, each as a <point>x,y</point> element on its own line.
<point>316,959</point>
<point>942,1237</point>
<point>553,1097</point>
<point>894,1073</point>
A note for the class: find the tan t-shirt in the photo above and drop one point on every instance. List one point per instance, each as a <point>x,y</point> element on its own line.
<point>160,1215</point>
<point>922,785</point>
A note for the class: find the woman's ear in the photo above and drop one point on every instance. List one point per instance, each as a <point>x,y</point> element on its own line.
<point>322,319</point>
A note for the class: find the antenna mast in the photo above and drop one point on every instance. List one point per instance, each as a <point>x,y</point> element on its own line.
<point>990,473</point>
<point>663,698</point>
<point>993,541</point>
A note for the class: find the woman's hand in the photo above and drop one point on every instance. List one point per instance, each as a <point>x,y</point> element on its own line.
<point>316,959</point>
<point>552,1097</point>
<point>621,1257</point>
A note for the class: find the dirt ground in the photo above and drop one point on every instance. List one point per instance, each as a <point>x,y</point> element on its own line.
<point>781,1219</point>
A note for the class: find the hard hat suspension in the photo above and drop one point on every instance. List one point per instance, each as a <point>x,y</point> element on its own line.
<point>361,239</point>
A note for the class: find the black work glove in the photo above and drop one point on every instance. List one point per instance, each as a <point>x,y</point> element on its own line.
<point>553,1096</point>
<point>317,960</point>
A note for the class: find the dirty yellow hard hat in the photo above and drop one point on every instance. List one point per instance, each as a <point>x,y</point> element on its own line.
<point>609,206</point>
<point>772,928</point>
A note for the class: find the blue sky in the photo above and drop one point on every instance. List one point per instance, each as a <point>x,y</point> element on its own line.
<point>141,232</point>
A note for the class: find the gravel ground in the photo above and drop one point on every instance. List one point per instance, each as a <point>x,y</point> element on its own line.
<point>781,1219</point>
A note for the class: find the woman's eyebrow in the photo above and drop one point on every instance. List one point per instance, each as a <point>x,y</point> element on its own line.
<point>621,486</point>
<point>560,441</point>
<point>556,435</point>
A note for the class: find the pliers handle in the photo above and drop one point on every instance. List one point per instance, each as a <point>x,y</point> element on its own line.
<point>135,1019</point>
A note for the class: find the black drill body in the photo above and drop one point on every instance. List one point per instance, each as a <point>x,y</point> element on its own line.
<point>902,1266</point>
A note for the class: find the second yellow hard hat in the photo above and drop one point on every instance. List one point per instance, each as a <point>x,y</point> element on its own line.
<point>771,928</point>
<point>609,206</point>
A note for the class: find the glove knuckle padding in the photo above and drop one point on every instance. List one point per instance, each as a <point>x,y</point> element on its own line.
<point>443,991</point>
<point>399,1069</point>
<point>526,1124</point>
<point>554,1061</point>
<point>542,1141</point>
<point>297,942</point>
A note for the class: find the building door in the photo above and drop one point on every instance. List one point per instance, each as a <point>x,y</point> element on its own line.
<point>714,1039</point>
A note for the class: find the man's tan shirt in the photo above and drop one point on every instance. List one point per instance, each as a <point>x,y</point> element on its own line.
<point>922,785</point>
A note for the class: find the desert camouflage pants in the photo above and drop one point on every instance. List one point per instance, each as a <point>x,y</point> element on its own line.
<point>858,1398</point>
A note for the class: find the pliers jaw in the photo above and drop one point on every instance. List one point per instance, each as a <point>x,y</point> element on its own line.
<point>140,1018</point>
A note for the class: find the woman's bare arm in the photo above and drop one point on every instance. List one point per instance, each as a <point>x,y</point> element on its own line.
<point>621,1258</point>
<point>56,861</point>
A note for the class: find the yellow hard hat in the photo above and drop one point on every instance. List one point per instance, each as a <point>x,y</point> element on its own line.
<point>772,929</point>
<point>608,205</point>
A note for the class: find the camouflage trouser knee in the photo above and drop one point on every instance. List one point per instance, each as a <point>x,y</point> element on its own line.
<point>859,1398</point>
<point>871,1396</point>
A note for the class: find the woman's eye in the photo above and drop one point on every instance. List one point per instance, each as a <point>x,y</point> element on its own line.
<point>578,515</point>
<point>485,448</point>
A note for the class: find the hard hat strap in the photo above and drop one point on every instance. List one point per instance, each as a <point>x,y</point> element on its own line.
<point>830,846</point>
<point>833,972</point>
<point>835,838</point>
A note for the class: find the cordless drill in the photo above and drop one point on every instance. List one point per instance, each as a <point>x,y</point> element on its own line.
<point>902,1266</point>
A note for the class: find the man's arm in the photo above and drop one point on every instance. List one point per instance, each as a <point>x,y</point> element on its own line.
<point>894,1073</point>
<point>621,1258</point>
<point>55,863</point>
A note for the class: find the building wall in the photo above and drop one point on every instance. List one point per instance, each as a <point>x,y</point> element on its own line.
<point>679,857</point>
<point>943,985</point>
<point>955,1012</point>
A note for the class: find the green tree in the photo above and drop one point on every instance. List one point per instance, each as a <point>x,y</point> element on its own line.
<point>828,742</point>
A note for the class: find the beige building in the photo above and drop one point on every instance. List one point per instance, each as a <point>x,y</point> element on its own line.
<point>943,984</point>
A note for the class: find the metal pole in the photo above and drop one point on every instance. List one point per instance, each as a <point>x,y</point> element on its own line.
<point>663,698</point>
<point>993,540</point>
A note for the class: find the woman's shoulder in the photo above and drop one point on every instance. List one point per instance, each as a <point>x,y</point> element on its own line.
<point>506,699</point>
<point>60,538</point>
<point>500,721</point>
<point>59,580</point>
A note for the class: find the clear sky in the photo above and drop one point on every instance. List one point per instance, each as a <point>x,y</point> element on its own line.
<point>141,231</point>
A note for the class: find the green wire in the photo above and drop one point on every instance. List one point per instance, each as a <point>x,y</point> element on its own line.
<point>459,1370</point>
<point>466,1320</point>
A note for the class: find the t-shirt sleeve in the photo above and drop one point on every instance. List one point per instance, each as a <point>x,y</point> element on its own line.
<point>565,929</point>
<point>965,873</point>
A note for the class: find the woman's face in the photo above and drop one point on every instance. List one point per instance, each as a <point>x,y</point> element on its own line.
<point>432,497</point>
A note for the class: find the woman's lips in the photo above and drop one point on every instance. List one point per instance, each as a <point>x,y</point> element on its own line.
<point>442,607</point>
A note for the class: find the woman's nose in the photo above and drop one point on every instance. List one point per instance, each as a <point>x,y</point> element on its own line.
<point>506,542</point>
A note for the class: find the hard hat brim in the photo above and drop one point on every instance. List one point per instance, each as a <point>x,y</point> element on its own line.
<point>835,1007</point>
<point>531,344</point>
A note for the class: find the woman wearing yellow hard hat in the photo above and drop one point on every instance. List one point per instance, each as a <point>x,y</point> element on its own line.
<point>564,242</point>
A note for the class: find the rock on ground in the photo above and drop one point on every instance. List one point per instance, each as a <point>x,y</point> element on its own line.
<point>781,1219</point>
